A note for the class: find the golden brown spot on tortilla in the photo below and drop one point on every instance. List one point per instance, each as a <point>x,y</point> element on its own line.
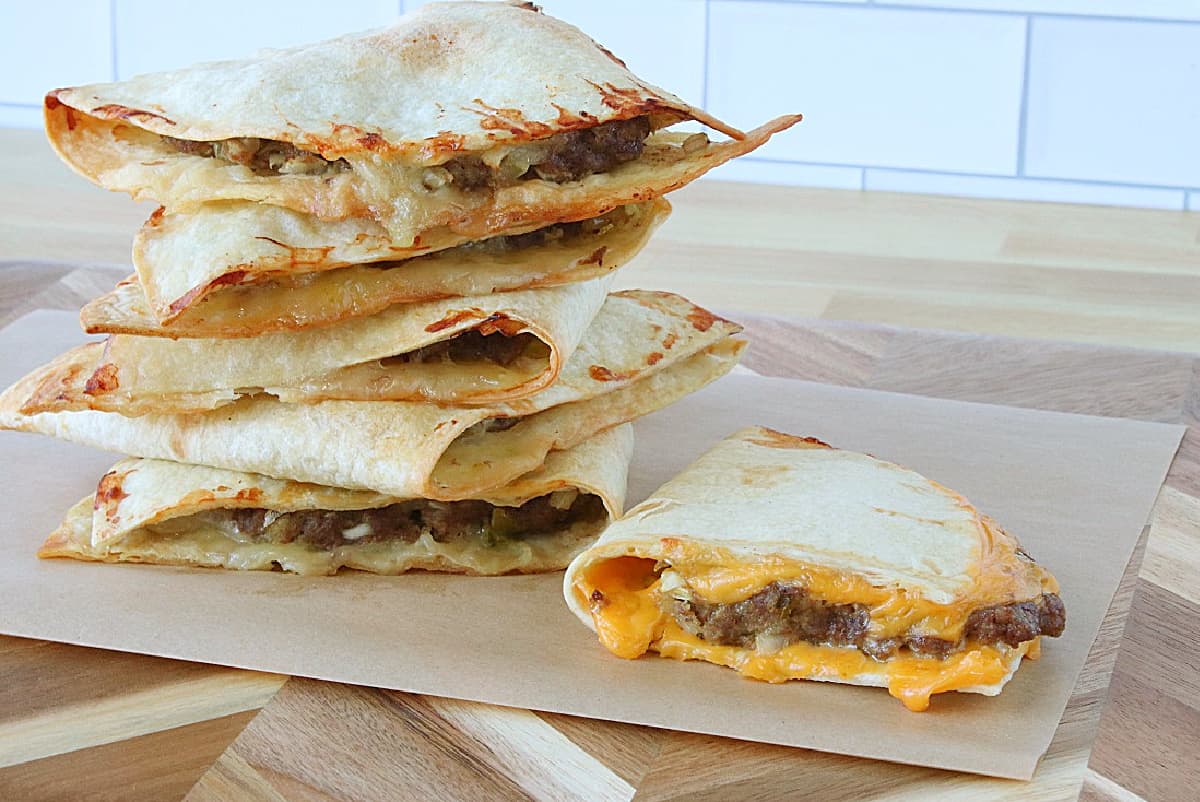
<point>773,439</point>
<point>444,142</point>
<point>455,317</point>
<point>222,488</point>
<point>628,102</point>
<point>115,111</point>
<point>596,257</point>
<point>373,141</point>
<point>609,53</point>
<point>669,340</point>
<point>251,494</point>
<point>567,119</point>
<point>603,374</point>
<point>103,380</point>
<point>762,475</point>
<point>702,319</point>
<point>300,256</point>
<point>511,120</point>
<point>156,216</point>
<point>109,493</point>
<point>898,514</point>
<point>653,358</point>
<point>502,323</point>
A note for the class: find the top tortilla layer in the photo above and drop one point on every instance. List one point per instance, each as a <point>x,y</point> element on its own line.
<point>450,77</point>
<point>799,499</point>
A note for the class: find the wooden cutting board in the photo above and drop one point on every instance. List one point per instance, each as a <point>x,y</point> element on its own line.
<point>102,725</point>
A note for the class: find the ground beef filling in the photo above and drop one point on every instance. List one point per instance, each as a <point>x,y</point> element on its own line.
<point>550,235</point>
<point>781,614</point>
<point>471,346</point>
<point>568,156</point>
<point>406,522</point>
<point>564,157</point>
<point>262,156</point>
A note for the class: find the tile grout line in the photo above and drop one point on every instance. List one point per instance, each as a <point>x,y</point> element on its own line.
<point>112,38</point>
<point>1023,113</point>
<point>1000,12</point>
<point>1000,177</point>
<point>707,36</point>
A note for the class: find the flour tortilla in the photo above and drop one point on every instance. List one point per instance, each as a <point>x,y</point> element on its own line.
<point>763,497</point>
<point>218,273</point>
<point>111,525</point>
<point>412,449</point>
<point>450,80</point>
<point>351,360</point>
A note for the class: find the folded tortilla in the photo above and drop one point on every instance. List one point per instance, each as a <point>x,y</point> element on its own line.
<point>215,273</point>
<point>411,449</point>
<point>783,558</point>
<point>472,117</point>
<point>154,511</point>
<point>459,351</point>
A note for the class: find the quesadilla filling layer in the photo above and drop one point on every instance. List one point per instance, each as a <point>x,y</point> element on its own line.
<point>478,535</point>
<point>472,346</point>
<point>560,158</point>
<point>782,614</point>
<point>508,246</point>
<point>779,621</point>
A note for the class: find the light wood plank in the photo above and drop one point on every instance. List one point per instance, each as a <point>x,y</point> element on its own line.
<point>157,767</point>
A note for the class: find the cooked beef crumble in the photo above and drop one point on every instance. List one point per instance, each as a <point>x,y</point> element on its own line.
<point>576,154</point>
<point>407,521</point>
<point>263,156</point>
<point>568,156</point>
<point>471,346</point>
<point>787,614</point>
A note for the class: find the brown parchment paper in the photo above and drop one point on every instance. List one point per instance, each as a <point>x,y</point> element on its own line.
<point>1077,490</point>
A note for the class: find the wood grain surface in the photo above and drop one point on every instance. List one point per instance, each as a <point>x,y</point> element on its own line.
<point>90,724</point>
<point>118,726</point>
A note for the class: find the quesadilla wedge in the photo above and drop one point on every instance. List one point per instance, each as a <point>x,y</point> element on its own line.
<point>154,511</point>
<point>666,348</point>
<point>459,351</point>
<point>468,116</point>
<point>784,558</point>
<point>216,274</point>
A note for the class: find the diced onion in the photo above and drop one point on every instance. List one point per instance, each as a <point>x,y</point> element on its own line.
<point>563,499</point>
<point>769,644</point>
<point>434,178</point>
<point>356,531</point>
<point>695,143</point>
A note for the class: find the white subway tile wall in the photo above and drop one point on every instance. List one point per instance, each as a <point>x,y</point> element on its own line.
<point>150,36</point>
<point>81,52</point>
<point>920,89</point>
<point>1114,101</point>
<point>1082,101</point>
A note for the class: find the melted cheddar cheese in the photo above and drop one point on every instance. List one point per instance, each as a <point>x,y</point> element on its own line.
<point>912,680</point>
<point>624,593</point>
<point>721,577</point>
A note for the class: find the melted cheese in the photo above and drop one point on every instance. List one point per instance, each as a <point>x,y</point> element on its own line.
<point>195,540</point>
<point>623,595</point>
<point>912,680</point>
<point>721,577</point>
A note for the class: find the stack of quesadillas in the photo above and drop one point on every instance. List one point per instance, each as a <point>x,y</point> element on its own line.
<point>371,324</point>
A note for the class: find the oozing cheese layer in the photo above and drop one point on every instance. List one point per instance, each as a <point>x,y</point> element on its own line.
<point>1000,576</point>
<point>912,680</point>
<point>624,594</point>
